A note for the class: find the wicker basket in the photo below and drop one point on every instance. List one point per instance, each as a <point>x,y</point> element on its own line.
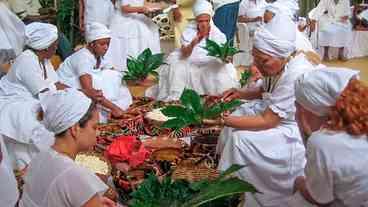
<point>193,173</point>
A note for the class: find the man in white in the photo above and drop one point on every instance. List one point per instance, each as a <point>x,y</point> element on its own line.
<point>262,134</point>
<point>335,136</point>
<point>335,29</point>
<point>190,67</point>
<point>87,70</point>
<point>31,74</point>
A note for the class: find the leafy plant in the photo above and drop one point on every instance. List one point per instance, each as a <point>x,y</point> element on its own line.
<point>145,64</point>
<point>46,3</point>
<point>222,51</point>
<point>180,193</point>
<point>192,110</point>
<point>244,78</point>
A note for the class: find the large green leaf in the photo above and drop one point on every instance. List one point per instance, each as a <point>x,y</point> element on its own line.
<point>244,78</point>
<point>176,123</point>
<point>192,101</point>
<point>220,189</point>
<point>233,168</point>
<point>143,57</point>
<point>173,111</point>
<point>222,51</point>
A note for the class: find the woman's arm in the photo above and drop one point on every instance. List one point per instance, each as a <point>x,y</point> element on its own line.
<point>267,120</point>
<point>99,201</point>
<point>300,186</point>
<point>134,9</point>
<point>245,19</point>
<point>87,88</point>
<point>243,93</point>
<point>61,86</point>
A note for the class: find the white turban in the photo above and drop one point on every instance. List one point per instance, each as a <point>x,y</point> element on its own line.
<point>277,38</point>
<point>63,108</point>
<point>40,36</point>
<point>96,31</point>
<point>318,90</point>
<point>202,7</point>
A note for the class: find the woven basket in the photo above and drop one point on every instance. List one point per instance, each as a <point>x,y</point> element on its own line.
<point>193,173</point>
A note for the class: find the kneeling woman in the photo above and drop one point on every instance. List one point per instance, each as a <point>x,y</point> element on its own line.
<point>190,67</point>
<point>30,75</point>
<point>263,134</point>
<point>87,70</point>
<point>53,178</point>
<point>333,118</point>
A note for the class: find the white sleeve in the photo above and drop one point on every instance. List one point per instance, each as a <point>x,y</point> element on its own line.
<point>78,185</point>
<point>30,74</point>
<point>317,12</point>
<point>319,178</point>
<point>83,66</point>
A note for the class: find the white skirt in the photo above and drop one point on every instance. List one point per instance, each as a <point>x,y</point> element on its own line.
<point>211,78</point>
<point>273,159</point>
<point>131,35</point>
<point>334,35</point>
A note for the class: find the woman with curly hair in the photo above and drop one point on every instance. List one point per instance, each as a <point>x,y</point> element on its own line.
<point>332,114</point>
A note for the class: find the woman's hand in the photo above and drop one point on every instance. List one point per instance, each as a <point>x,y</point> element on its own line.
<point>96,95</point>
<point>231,94</point>
<point>106,202</point>
<point>117,113</point>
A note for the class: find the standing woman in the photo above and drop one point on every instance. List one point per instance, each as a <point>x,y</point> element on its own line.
<point>333,118</point>
<point>31,74</point>
<point>135,31</point>
<point>53,178</point>
<point>335,30</point>
<point>95,11</point>
<point>263,134</point>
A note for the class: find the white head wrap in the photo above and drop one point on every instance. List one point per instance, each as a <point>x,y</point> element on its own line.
<point>63,108</point>
<point>202,7</point>
<point>96,31</point>
<point>318,90</point>
<point>40,36</point>
<point>277,38</point>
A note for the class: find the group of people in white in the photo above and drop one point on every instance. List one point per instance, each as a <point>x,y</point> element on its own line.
<point>302,132</point>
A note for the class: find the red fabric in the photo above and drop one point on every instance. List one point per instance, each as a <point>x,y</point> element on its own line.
<point>128,149</point>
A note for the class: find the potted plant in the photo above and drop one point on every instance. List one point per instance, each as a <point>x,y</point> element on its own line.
<point>223,51</point>
<point>141,67</point>
<point>193,110</point>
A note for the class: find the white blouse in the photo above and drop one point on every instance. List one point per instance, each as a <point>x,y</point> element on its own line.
<point>53,179</point>
<point>336,169</point>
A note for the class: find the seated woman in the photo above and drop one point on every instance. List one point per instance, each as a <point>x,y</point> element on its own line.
<point>335,29</point>
<point>190,67</point>
<point>87,70</point>
<point>263,134</point>
<point>53,178</point>
<point>331,110</point>
<point>30,75</point>
<point>133,30</point>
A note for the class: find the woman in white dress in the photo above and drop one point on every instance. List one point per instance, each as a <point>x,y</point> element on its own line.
<point>87,70</point>
<point>250,18</point>
<point>190,67</point>
<point>335,29</point>
<point>262,134</point>
<point>134,31</point>
<point>99,11</point>
<point>332,116</point>
<point>30,74</point>
<point>53,178</point>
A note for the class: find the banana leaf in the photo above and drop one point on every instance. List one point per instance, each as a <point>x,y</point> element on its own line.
<point>225,188</point>
<point>244,78</point>
<point>221,51</point>
<point>145,64</point>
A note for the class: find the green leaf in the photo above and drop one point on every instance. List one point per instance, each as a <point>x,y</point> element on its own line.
<point>222,51</point>
<point>173,111</point>
<point>229,187</point>
<point>233,168</point>
<point>244,78</point>
<point>192,101</point>
<point>231,105</point>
